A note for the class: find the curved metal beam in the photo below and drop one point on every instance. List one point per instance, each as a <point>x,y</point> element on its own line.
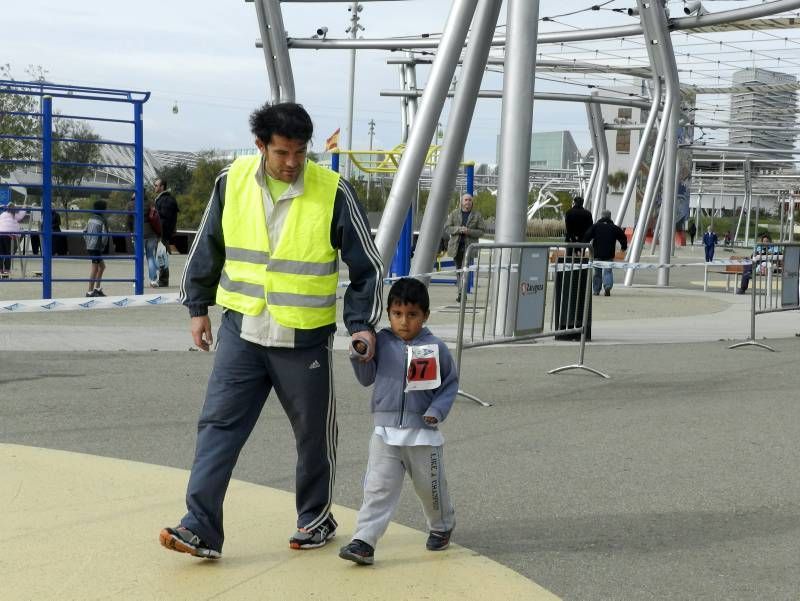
<point>277,36</point>
<point>272,74</point>
<point>556,37</point>
<point>551,96</point>
<point>644,138</point>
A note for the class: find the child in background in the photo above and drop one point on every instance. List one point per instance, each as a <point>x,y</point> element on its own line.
<point>96,237</point>
<point>415,385</point>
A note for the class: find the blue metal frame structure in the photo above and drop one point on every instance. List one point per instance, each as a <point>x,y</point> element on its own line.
<point>47,92</point>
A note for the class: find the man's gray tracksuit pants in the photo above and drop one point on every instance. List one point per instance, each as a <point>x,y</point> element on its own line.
<point>383,484</point>
<point>242,377</point>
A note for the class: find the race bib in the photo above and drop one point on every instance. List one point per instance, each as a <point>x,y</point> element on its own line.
<point>422,367</point>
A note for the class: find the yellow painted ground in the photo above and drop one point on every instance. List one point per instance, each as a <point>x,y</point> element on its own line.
<point>81,527</point>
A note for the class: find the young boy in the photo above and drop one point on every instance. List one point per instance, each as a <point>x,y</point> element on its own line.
<point>407,410</point>
<point>97,241</point>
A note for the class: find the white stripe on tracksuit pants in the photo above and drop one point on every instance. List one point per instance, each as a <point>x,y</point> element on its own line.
<point>242,377</point>
<point>383,484</point>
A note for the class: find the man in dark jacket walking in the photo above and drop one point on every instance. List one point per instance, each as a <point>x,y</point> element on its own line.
<point>577,221</point>
<point>168,210</point>
<point>604,235</point>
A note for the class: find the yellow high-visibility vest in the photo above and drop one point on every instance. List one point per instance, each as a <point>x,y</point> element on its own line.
<point>295,281</point>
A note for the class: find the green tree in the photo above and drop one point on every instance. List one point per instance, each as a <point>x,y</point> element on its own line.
<point>485,202</point>
<point>565,200</point>
<point>193,203</point>
<point>72,146</point>
<point>18,125</point>
<point>178,177</point>
<point>617,180</point>
<point>375,201</point>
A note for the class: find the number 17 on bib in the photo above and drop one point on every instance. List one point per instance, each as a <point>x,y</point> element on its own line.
<point>422,367</point>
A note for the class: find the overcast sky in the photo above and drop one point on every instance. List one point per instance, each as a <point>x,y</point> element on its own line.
<point>200,55</point>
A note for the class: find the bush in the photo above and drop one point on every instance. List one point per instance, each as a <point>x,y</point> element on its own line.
<point>545,228</point>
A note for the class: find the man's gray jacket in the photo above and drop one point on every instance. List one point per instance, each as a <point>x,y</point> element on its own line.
<point>475,228</point>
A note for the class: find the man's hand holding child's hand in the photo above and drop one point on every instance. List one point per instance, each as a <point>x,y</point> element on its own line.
<point>363,343</point>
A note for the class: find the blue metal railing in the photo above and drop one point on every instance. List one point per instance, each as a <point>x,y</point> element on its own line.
<point>47,92</point>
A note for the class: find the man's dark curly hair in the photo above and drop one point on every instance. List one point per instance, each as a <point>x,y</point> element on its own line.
<point>286,119</point>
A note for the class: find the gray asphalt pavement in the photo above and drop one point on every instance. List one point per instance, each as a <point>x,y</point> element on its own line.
<point>674,479</point>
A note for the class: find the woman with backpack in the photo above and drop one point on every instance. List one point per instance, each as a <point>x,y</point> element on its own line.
<point>96,237</point>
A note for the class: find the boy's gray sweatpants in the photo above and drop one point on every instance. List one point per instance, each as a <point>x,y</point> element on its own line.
<point>383,483</point>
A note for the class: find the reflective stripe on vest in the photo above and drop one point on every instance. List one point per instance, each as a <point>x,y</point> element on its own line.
<point>246,256</point>
<point>296,281</point>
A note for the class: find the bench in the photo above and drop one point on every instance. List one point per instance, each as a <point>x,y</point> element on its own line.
<point>728,271</point>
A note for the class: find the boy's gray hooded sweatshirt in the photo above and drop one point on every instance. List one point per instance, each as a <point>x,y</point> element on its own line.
<point>391,405</point>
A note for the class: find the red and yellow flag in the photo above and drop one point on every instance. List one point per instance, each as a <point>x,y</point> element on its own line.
<point>333,141</point>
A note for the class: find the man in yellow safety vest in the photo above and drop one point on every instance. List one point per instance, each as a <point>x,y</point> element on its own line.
<point>267,251</point>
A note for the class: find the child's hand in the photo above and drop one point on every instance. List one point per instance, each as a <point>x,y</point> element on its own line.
<point>430,420</point>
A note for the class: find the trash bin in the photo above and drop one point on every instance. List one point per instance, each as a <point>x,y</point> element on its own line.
<point>572,278</point>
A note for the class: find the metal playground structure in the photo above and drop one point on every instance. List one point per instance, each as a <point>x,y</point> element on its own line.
<point>88,102</point>
<point>669,150</point>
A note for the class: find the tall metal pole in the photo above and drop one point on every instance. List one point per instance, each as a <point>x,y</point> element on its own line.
<point>516,120</point>
<point>749,204</point>
<point>601,180</point>
<point>588,194</point>
<point>461,113</point>
<point>280,49</point>
<point>644,138</point>
<point>353,31</point>
<point>411,82</point>
<point>516,125</point>
<point>269,56</point>
<point>653,45</point>
<point>47,197</point>
<point>410,169</point>
<point>659,29</point>
<point>403,105</point>
<point>138,176</point>
<point>369,173</point>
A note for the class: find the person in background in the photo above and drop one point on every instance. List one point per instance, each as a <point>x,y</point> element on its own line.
<point>604,236</point>
<point>60,245</point>
<point>96,237</point>
<point>763,255</point>
<point>168,210</point>
<point>710,241</point>
<point>151,232</point>
<point>34,224</point>
<point>9,232</point>
<point>465,227</point>
<point>692,232</point>
<point>577,221</point>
